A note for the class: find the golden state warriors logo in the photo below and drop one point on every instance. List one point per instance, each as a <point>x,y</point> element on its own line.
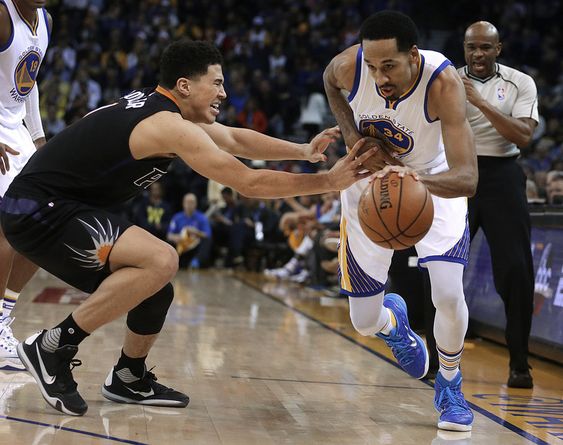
<point>26,72</point>
<point>401,140</point>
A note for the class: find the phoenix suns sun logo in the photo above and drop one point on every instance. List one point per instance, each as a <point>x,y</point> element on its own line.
<point>103,240</point>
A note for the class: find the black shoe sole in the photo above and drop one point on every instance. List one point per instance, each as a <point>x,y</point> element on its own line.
<point>521,385</point>
<point>151,402</point>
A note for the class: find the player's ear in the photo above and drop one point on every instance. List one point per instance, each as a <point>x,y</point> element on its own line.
<point>183,86</point>
<point>499,48</point>
<point>414,55</point>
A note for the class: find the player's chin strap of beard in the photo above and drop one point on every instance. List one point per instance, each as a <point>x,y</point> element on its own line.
<point>148,317</point>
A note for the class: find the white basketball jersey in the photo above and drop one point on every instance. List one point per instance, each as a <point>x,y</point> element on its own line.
<point>20,60</point>
<point>405,121</point>
<point>418,140</point>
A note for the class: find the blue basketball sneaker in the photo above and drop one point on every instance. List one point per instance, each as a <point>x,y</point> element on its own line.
<point>455,415</point>
<point>407,347</point>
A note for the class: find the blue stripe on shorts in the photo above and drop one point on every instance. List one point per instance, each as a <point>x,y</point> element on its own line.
<point>459,253</point>
<point>361,284</point>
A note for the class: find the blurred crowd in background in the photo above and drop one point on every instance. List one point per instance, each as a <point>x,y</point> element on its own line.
<point>275,53</point>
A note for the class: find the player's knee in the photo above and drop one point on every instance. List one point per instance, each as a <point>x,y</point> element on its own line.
<point>148,317</point>
<point>448,301</point>
<point>165,262</point>
<point>365,325</point>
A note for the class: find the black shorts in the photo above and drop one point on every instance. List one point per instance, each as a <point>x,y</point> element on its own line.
<point>66,238</point>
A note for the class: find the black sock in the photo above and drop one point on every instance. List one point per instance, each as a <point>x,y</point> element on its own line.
<point>65,333</point>
<point>135,365</point>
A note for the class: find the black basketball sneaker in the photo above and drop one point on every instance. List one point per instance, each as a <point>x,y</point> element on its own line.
<point>123,387</point>
<point>52,372</point>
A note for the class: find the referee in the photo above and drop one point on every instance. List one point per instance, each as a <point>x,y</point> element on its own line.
<point>503,112</point>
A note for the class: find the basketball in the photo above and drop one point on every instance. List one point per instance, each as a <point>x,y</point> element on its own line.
<point>395,212</point>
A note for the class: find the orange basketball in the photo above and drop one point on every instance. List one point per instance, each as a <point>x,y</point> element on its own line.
<point>396,212</point>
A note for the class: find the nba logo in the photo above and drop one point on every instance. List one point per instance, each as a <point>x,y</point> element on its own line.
<point>500,93</point>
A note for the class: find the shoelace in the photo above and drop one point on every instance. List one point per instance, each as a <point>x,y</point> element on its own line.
<point>401,348</point>
<point>150,379</point>
<point>6,333</point>
<point>5,329</point>
<point>149,376</point>
<point>453,401</point>
<point>64,373</point>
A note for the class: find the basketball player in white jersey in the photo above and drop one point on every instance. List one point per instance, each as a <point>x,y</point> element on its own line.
<point>416,100</point>
<point>503,113</point>
<point>25,27</point>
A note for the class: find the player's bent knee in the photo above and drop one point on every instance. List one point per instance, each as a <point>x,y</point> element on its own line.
<point>165,262</point>
<point>148,317</point>
<point>364,326</point>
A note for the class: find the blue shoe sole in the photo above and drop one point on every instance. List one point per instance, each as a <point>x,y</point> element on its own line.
<point>451,426</point>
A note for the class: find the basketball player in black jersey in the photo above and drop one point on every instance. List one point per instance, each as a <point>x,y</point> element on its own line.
<point>54,213</point>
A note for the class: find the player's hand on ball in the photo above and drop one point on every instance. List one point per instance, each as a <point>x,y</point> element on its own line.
<point>350,168</point>
<point>4,160</point>
<point>383,154</point>
<point>314,150</point>
<point>401,170</point>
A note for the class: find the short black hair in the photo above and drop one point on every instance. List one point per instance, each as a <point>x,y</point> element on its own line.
<point>388,25</point>
<point>187,58</point>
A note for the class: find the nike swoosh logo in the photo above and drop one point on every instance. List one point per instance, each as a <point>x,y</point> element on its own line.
<point>414,343</point>
<point>29,341</point>
<point>142,393</point>
<point>49,379</point>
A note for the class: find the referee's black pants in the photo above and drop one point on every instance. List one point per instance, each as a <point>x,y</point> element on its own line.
<point>500,208</point>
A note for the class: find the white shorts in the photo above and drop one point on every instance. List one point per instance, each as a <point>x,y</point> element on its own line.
<point>20,140</point>
<point>364,265</point>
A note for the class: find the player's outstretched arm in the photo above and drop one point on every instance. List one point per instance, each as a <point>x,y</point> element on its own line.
<point>447,102</point>
<point>198,150</point>
<point>250,144</point>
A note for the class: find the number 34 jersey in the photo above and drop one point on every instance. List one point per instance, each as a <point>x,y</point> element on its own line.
<point>405,121</point>
<point>418,141</point>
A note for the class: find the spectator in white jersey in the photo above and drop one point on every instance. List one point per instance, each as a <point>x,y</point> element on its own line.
<point>25,27</point>
<point>503,112</point>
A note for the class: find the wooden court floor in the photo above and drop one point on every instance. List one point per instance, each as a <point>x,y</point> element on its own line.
<point>268,363</point>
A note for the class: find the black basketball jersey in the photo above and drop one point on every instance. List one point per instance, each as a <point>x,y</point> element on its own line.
<point>90,161</point>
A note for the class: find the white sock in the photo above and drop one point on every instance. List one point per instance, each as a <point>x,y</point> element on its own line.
<point>449,363</point>
<point>391,323</point>
<point>8,303</point>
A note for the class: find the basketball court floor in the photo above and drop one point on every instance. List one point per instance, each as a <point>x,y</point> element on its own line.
<point>268,363</point>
